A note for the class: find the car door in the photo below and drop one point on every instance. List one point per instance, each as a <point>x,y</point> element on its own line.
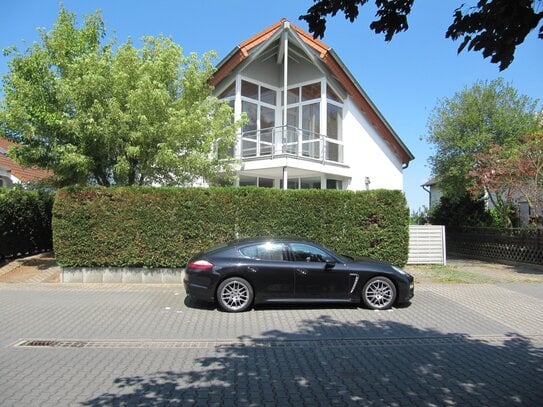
<point>270,273</point>
<point>313,279</point>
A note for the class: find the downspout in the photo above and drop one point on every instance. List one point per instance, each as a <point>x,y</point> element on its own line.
<point>285,85</point>
<point>429,196</point>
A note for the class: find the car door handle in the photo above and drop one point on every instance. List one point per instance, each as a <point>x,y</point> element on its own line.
<point>301,272</point>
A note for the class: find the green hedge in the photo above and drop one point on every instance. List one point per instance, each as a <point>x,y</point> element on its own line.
<point>163,227</point>
<point>25,222</point>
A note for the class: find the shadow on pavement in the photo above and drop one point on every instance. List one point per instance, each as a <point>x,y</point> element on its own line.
<point>391,364</point>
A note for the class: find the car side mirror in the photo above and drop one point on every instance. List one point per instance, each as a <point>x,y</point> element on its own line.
<point>329,264</point>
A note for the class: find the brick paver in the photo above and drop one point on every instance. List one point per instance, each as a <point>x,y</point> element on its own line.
<point>455,345</point>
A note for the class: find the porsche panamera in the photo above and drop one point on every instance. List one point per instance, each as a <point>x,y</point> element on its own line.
<point>241,274</point>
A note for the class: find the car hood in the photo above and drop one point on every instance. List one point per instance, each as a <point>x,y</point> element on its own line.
<point>361,259</point>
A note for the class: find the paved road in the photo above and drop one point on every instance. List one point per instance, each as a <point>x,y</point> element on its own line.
<point>147,345</point>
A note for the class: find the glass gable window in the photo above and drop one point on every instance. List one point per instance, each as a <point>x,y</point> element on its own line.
<point>267,95</point>
<point>314,120</point>
<point>249,90</point>
<point>334,125</point>
<point>258,103</point>
<point>311,91</point>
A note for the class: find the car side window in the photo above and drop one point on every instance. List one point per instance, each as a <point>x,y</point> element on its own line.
<point>266,251</point>
<point>305,252</point>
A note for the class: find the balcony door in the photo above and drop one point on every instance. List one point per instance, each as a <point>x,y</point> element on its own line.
<point>258,103</point>
<point>303,114</point>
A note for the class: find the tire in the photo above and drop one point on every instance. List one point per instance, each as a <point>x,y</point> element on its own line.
<point>235,294</point>
<point>379,293</point>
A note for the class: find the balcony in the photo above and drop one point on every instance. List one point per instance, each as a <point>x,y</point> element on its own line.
<point>290,141</point>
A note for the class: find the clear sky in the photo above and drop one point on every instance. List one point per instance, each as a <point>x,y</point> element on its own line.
<point>405,78</point>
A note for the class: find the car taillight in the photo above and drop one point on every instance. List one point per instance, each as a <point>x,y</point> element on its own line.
<point>200,265</point>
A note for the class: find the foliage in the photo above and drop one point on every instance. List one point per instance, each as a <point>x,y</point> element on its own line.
<point>114,115</point>
<point>464,212</point>
<point>512,171</point>
<point>471,122</point>
<point>163,227</point>
<point>419,217</point>
<point>25,221</point>
<point>494,27</point>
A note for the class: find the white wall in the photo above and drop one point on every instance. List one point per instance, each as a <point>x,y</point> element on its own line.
<point>367,154</point>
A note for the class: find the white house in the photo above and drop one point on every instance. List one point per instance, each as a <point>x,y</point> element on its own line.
<point>434,193</point>
<point>311,125</point>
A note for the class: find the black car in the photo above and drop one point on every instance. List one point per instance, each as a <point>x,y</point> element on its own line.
<point>294,271</point>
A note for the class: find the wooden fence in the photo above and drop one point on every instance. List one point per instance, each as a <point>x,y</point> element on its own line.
<point>516,245</point>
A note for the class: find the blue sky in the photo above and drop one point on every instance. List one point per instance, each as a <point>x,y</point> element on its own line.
<point>405,78</point>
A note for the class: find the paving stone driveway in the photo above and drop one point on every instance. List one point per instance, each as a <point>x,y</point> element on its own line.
<point>147,345</point>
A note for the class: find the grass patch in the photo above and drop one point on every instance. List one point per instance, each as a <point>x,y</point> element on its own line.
<point>448,274</point>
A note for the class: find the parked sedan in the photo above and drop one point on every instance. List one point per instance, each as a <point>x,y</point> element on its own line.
<point>258,271</point>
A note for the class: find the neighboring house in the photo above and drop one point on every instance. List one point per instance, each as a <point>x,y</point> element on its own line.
<point>12,173</point>
<point>434,193</point>
<point>525,212</point>
<point>310,124</point>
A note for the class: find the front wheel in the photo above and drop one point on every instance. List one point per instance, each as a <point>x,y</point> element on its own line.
<point>235,294</point>
<point>379,293</point>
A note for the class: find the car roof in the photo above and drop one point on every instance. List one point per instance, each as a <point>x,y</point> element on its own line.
<point>255,240</point>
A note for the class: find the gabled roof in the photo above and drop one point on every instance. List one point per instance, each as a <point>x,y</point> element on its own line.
<point>430,183</point>
<point>24,174</point>
<point>330,59</point>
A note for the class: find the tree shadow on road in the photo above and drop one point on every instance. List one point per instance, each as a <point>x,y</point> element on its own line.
<point>382,363</point>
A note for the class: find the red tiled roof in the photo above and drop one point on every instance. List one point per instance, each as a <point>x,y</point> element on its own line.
<point>24,174</point>
<point>331,60</point>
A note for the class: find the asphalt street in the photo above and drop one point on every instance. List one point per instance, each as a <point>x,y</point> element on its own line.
<point>100,345</point>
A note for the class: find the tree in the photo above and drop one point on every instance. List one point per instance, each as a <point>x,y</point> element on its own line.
<point>94,112</point>
<point>469,123</point>
<point>514,171</point>
<point>495,27</point>
<point>465,211</point>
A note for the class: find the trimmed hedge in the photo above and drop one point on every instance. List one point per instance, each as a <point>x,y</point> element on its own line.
<point>25,222</point>
<point>163,227</point>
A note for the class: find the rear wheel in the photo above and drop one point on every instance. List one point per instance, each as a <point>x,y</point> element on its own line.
<point>379,293</point>
<point>235,294</point>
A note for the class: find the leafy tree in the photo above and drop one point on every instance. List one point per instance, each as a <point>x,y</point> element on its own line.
<point>506,173</point>
<point>93,111</point>
<point>419,217</point>
<point>494,27</point>
<point>465,211</point>
<point>471,122</point>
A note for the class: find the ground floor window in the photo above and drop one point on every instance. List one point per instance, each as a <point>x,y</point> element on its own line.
<point>292,183</point>
<point>302,183</point>
<point>263,182</point>
<point>334,184</point>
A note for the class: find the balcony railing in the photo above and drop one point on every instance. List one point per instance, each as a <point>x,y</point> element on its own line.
<point>289,140</point>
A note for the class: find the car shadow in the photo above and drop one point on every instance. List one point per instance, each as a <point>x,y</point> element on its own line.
<point>195,303</point>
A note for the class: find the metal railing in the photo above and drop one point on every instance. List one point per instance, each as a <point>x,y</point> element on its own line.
<point>290,140</point>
